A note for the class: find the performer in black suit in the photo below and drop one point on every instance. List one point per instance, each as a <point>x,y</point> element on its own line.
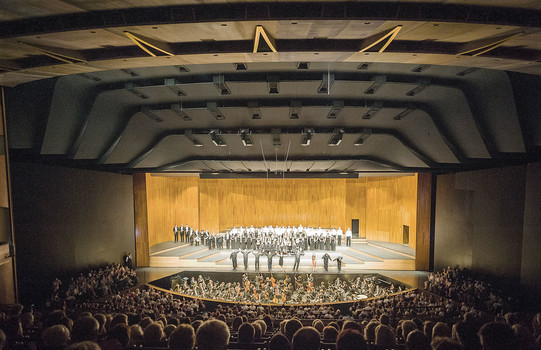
<point>326,259</point>
<point>269,255</point>
<point>298,254</point>
<point>175,232</point>
<point>339,263</point>
<point>245,254</point>
<point>233,258</point>
<point>257,254</point>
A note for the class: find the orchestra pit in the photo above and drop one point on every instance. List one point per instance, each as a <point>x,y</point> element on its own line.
<point>270,175</point>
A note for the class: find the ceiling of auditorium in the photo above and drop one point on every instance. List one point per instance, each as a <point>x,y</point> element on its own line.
<point>299,88</point>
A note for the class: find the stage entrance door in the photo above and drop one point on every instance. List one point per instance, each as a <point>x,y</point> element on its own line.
<point>355,228</point>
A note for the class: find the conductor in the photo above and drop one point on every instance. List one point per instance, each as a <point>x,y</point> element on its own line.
<point>298,254</point>
<point>233,258</point>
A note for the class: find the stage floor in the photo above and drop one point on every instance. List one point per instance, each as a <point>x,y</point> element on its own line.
<point>362,255</point>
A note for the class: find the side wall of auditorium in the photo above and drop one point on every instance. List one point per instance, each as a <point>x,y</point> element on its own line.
<point>67,220</point>
<point>490,221</point>
<point>383,205</point>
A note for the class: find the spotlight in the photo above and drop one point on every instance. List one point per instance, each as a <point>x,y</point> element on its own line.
<point>336,109</point>
<point>272,84</point>
<point>172,84</point>
<point>213,109</point>
<point>306,137</point>
<point>189,134</point>
<point>219,82</point>
<point>253,106</point>
<point>364,135</point>
<point>467,71</point>
<point>380,80</point>
<point>130,72</point>
<point>217,140</point>
<point>246,138</point>
<point>326,84</point>
<point>303,65</point>
<point>364,65</point>
<point>276,137</point>
<point>146,111</point>
<point>131,88</point>
<point>240,66</point>
<point>404,113</point>
<point>373,111</point>
<point>421,68</point>
<point>295,110</point>
<point>336,139</point>
<point>182,69</point>
<point>175,107</point>
<point>418,89</point>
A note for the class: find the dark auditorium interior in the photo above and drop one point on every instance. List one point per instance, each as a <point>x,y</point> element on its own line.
<point>416,123</point>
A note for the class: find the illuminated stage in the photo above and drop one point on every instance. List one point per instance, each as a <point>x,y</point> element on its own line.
<point>362,255</point>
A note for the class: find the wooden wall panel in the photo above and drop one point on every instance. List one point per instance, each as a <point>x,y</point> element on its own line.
<point>315,202</point>
<point>356,204</point>
<point>424,210</point>
<point>171,200</point>
<point>391,202</point>
<point>209,203</point>
<point>382,205</point>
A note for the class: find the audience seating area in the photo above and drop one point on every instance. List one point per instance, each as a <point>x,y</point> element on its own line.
<point>144,318</point>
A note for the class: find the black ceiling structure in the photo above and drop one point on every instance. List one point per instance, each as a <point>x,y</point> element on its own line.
<point>283,89</point>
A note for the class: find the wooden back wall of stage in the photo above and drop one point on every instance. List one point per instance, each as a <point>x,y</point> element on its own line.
<point>382,204</point>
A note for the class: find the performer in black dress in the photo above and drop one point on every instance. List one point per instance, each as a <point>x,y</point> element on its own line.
<point>339,263</point>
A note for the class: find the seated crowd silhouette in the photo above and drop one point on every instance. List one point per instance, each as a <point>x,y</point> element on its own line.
<point>145,318</point>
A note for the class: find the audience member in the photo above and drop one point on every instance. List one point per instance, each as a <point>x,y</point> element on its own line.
<point>182,338</point>
<point>212,335</point>
<point>306,338</point>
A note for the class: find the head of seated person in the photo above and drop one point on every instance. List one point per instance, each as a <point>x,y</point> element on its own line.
<point>497,336</point>
<point>441,330</point>
<point>291,327</point>
<point>182,338</point>
<point>212,335</point>
<point>350,339</point>
<point>279,342</point>
<point>318,324</point>
<point>306,338</point>
<point>246,333</point>
<point>353,325</point>
<point>407,327</point>
<point>153,333</point>
<point>385,336</point>
<point>84,345</point>
<point>370,331</point>
<point>120,332</point>
<point>136,334</point>
<point>55,337</point>
<point>237,321</point>
<point>257,331</point>
<point>329,334</point>
<point>445,343</point>
<point>85,328</point>
<point>417,340</point>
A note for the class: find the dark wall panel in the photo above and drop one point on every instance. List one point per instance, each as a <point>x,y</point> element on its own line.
<point>531,240</point>
<point>67,220</point>
<point>479,221</point>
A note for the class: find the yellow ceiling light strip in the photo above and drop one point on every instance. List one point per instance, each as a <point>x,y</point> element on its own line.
<point>260,32</point>
<point>492,45</point>
<point>141,43</point>
<point>391,34</point>
<point>55,55</point>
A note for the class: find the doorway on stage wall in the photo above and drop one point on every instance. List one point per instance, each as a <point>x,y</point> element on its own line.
<point>355,228</point>
<point>405,234</point>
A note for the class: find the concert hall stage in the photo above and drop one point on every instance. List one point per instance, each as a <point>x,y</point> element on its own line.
<point>362,255</point>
